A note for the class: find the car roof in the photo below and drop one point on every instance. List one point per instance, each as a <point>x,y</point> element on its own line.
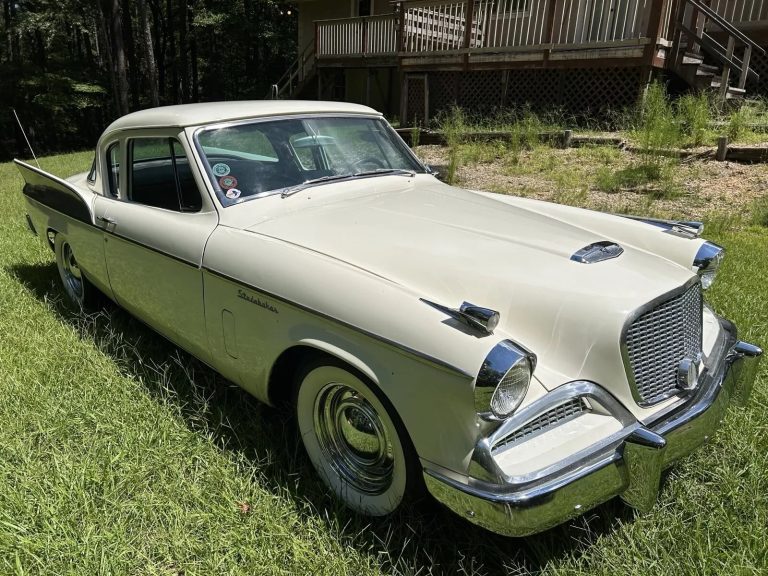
<point>212,112</point>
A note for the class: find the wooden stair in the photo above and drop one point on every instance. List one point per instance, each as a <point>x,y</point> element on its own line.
<point>705,77</point>
<point>697,30</point>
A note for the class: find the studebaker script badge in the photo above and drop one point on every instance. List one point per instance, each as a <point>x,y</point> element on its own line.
<point>255,300</point>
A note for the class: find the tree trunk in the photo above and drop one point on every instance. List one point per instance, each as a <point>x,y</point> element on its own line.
<point>184,49</point>
<point>114,33</point>
<point>150,66</point>
<point>130,54</point>
<point>172,51</point>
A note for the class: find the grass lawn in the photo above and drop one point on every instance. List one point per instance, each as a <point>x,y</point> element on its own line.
<point>119,454</point>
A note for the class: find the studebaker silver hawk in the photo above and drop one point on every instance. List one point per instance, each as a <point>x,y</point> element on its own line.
<point>523,361</point>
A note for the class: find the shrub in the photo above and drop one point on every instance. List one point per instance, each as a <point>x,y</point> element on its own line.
<point>694,114</point>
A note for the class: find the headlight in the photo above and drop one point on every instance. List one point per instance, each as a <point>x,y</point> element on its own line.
<point>504,379</point>
<point>707,261</point>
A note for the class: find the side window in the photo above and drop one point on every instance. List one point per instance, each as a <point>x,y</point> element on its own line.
<point>113,161</point>
<point>161,175</point>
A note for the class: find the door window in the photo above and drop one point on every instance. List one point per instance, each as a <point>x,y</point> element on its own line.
<point>161,175</point>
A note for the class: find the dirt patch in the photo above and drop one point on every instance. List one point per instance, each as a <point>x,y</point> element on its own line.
<point>695,188</point>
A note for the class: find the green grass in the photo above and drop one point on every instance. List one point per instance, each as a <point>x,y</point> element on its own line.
<point>120,454</point>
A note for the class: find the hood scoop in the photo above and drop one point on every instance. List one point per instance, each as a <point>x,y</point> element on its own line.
<point>597,252</point>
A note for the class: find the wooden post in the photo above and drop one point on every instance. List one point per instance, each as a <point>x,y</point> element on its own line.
<point>549,28</point>
<point>677,14</point>
<point>403,98</point>
<point>317,42</point>
<point>726,76</point>
<point>364,36</point>
<point>745,66</point>
<point>722,148</point>
<point>469,19</point>
<point>567,137</point>
<point>655,27</point>
<point>468,23</point>
<point>401,29</point>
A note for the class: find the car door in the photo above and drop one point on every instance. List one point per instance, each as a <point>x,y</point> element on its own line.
<point>156,221</point>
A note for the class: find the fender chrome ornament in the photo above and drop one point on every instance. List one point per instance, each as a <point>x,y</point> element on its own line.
<point>597,252</point>
<point>484,320</point>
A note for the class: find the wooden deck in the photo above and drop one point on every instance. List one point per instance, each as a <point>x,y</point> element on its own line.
<point>481,34</point>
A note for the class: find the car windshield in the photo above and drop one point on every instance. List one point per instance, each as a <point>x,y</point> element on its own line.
<point>261,158</point>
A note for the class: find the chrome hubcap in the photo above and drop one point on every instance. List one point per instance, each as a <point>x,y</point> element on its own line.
<point>353,438</point>
<point>73,278</point>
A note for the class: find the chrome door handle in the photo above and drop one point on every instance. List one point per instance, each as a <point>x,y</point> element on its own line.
<point>105,219</point>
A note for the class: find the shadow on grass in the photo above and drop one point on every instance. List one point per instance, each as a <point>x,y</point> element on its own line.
<point>424,538</point>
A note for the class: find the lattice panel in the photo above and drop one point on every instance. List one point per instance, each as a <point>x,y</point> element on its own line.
<point>415,100</point>
<point>576,91</point>
<point>480,91</point>
<point>534,88</point>
<point>596,90</point>
<point>759,63</point>
<point>443,91</point>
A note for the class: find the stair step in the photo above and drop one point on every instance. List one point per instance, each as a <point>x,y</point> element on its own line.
<point>709,68</point>
<point>704,74</point>
<point>691,59</point>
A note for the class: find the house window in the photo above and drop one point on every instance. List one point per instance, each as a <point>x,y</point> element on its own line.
<point>363,7</point>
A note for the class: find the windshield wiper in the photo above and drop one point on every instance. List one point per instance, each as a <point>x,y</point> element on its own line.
<point>307,183</point>
<point>384,171</point>
<point>323,179</point>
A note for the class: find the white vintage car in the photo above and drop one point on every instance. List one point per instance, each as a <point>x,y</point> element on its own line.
<point>523,361</point>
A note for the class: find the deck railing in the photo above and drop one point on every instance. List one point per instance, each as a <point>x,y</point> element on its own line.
<point>492,25</point>
<point>741,11</point>
<point>367,35</point>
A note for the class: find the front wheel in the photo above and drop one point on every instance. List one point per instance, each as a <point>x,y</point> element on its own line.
<point>78,289</point>
<point>352,440</point>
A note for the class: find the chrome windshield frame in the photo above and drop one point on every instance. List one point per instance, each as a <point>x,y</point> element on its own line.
<point>210,178</point>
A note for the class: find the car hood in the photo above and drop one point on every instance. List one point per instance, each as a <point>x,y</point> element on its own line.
<point>451,246</point>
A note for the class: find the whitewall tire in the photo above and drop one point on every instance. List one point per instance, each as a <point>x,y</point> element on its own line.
<point>78,289</point>
<point>352,440</point>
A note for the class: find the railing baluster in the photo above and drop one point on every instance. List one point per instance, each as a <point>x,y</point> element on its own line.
<point>745,66</point>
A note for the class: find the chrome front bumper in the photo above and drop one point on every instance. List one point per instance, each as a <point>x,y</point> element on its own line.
<point>629,467</point>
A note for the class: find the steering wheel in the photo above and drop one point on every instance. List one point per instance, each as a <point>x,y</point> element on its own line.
<point>367,164</point>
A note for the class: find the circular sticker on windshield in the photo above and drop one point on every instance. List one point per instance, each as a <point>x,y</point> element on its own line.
<point>232,193</point>
<point>220,169</point>
<point>227,182</point>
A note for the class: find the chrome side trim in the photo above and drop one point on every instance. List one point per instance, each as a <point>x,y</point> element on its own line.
<point>415,353</point>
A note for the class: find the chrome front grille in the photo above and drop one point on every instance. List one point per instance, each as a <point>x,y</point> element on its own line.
<point>659,340</point>
<point>556,415</point>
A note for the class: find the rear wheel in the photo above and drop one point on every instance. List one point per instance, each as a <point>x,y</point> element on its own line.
<point>356,445</point>
<point>78,289</point>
